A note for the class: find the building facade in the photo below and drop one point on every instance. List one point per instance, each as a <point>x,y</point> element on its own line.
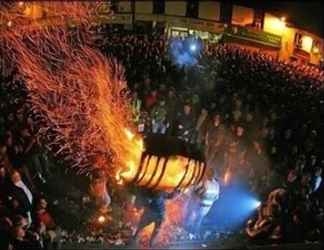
<point>211,20</point>
<point>251,28</point>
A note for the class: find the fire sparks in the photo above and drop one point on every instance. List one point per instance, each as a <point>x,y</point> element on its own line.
<point>82,96</point>
<point>174,217</point>
<point>82,99</point>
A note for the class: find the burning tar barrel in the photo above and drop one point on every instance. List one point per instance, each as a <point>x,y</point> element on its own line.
<point>166,164</point>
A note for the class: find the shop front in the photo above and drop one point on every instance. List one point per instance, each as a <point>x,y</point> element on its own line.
<point>256,40</point>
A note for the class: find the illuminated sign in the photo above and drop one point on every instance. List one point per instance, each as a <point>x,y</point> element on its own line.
<point>260,37</point>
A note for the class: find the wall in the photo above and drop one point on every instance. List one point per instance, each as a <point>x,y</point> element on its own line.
<point>287,46</point>
<point>209,10</point>
<point>273,24</point>
<point>242,16</point>
<point>175,8</point>
<point>124,6</point>
<point>144,7</point>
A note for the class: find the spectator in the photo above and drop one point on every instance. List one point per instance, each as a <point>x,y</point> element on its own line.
<point>4,183</point>
<point>160,123</point>
<point>185,124</point>
<point>136,106</point>
<point>151,99</point>
<point>171,106</point>
<point>215,144</point>
<point>22,242</point>
<point>317,179</point>
<point>21,194</point>
<point>43,216</point>
<point>5,226</point>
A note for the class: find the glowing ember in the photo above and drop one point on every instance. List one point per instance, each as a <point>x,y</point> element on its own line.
<point>101,219</point>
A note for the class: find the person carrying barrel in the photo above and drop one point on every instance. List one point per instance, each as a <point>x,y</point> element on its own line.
<point>154,211</point>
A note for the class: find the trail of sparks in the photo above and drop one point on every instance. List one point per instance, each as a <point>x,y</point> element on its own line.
<point>80,94</point>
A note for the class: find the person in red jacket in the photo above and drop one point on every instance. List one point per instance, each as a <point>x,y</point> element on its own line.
<point>151,99</point>
<point>43,216</point>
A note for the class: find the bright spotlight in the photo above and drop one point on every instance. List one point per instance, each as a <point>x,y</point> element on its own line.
<point>185,52</point>
<point>101,219</point>
<point>238,203</point>
<point>255,204</point>
<point>193,47</point>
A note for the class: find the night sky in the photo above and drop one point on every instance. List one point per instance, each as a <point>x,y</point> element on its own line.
<point>307,14</point>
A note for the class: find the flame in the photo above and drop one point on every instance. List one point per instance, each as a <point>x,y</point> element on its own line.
<point>80,94</point>
<point>164,173</point>
<point>129,134</point>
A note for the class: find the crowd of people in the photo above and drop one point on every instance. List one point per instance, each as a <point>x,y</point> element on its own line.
<point>255,118</point>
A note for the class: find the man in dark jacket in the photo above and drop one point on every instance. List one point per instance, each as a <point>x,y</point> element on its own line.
<point>185,124</point>
<point>154,211</point>
<point>4,183</point>
<point>19,192</point>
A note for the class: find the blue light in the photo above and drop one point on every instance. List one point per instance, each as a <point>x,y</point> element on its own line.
<point>193,47</point>
<point>185,52</point>
<point>232,210</point>
<point>255,204</point>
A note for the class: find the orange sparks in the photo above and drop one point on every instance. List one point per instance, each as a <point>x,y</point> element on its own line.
<point>82,96</point>
<point>82,99</point>
<point>31,15</point>
<point>174,217</point>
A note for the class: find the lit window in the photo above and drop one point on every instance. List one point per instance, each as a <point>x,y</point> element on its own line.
<point>274,25</point>
<point>307,43</point>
